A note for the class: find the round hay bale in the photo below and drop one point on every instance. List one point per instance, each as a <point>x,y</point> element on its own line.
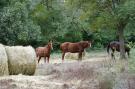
<point>3,61</point>
<point>21,60</point>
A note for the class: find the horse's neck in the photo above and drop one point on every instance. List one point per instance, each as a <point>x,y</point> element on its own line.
<point>49,48</point>
<point>82,45</point>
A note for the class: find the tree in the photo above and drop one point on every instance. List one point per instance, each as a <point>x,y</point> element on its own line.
<point>49,16</point>
<point>106,14</point>
<point>15,25</point>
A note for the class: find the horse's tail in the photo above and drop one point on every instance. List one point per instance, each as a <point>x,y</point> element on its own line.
<point>60,47</point>
<point>108,47</point>
<point>36,54</point>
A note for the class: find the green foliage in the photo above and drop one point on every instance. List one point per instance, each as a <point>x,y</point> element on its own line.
<point>105,15</point>
<point>16,27</point>
<point>131,62</point>
<point>131,44</point>
<point>3,3</point>
<point>35,22</point>
<point>49,18</point>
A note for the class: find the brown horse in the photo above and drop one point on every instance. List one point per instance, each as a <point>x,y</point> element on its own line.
<point>74,48</point>
<point>115,46</point>
<point>44,52</point>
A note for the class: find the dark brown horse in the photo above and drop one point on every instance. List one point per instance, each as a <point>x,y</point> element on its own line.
<point>44,52</point>
<point>74,48</point>
<point>115,46</point>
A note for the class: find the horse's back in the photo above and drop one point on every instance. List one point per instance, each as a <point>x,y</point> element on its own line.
<point>64,46</point>
<point>40,51</point>
<point>70,47</point>
<point>114,43</point>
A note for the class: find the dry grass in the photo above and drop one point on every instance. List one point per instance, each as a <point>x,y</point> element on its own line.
<point>106,82</point>
<point>100,74</point>
<point>68,71</point>
<point>3,61</point>
<point>74,56</point>
<point>81,73</point>
<point>131,82</point>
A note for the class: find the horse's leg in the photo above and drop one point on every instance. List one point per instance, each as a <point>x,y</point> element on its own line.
<point>112,54</point>
<point>80,56</point>
<point>48,58</point>
<point>128,53</point>
<point>45,59</point>
<point>63,54</point>
<point>39,59</point>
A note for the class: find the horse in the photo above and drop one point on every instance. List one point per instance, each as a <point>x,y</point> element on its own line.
<point>115,46</point>
<point>44,52</point>
<point>77,47</point>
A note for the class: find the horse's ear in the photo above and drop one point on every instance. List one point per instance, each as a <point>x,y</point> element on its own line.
<point>50,41</point>
<point>89,41</point>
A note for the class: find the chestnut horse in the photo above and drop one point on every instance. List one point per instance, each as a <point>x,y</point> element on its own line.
<point>78,47</point>
<point>44,52</point>
<point>115,46</point>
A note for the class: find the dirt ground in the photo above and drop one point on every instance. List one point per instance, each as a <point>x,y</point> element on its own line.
<point>71,74</point>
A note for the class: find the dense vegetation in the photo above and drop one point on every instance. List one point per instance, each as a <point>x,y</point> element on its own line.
<point>35,22</point>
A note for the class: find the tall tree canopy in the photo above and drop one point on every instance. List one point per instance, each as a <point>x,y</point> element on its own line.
<point>106,14</point>
<point>16,27</point>
<point>34,22</point>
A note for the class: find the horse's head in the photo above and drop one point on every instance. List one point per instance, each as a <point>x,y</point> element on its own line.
<point>50,45</point>
<point>89,43</point>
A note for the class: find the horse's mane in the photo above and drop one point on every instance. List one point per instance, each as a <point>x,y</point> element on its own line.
<point>84,44</point>
<point>117,42</point>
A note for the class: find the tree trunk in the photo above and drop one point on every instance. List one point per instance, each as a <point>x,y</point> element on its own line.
<point>47,5</point>
<point>121,40</point>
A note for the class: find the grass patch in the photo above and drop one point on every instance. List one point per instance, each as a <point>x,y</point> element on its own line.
<point>74,56</point>
<point>106,82</point>
<point>131,62</point>
<point>56,55</point>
